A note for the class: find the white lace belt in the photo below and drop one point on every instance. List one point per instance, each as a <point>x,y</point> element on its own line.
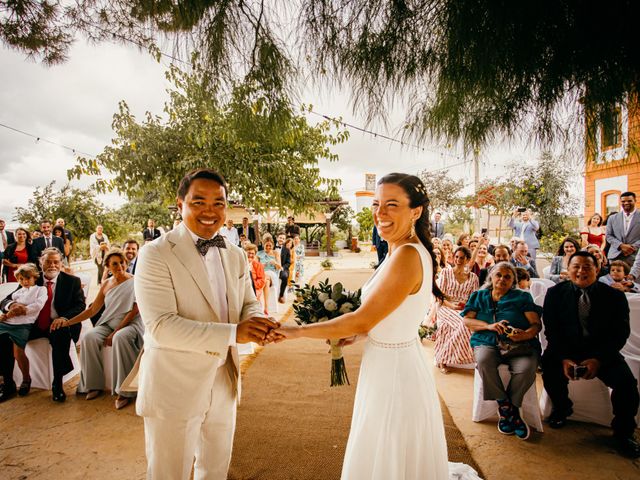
<point>406,344</point>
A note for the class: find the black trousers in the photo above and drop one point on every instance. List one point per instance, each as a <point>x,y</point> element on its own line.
<point>614,374</point>
<point>284,279</point>
<point>6,359</point>
<point>60,341</point>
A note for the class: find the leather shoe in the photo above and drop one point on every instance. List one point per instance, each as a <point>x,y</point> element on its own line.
<point>558,418</point>
<point>7,392</point>
<point>58,393</point>
<point>628,446</point>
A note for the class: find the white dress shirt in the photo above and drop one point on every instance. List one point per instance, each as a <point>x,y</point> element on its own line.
<point>215,272</point>
<point>627,220</point>
<point>230,234</point>
<point>34,299</point>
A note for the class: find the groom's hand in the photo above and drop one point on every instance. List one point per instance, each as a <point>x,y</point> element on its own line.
<point>254,329</point>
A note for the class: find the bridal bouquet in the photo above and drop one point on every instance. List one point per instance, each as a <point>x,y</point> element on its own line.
<point>320,303</point>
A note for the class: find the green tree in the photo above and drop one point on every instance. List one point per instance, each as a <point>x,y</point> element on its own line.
<point>269,157</point>
<point>138,211</point>
<point>443,191</point>
<point>81,209</point>
<point>365,219</point>
<point>469,69</point>
<point>342,218</point>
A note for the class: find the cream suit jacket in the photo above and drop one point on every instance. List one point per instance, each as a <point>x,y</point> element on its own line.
<point>184,341</point>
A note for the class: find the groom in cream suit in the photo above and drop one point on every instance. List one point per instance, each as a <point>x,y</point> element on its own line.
<point>194,292</point>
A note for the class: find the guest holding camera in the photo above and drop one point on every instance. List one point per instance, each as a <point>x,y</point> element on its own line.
<point>587,324</point>
<point>505,323</point>
<point>526,228</point>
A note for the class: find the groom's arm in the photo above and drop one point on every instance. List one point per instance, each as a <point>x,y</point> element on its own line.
<point>156,298</point>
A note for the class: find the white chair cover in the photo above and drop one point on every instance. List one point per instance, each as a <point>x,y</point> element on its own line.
<point>631,350</point>
<point>38,352</point>
<point>7,288</point>
<point>488,409</point>
<point>591,402</point>
<point>546,272</point>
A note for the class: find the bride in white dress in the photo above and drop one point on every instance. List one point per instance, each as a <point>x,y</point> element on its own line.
<point>396,430</point>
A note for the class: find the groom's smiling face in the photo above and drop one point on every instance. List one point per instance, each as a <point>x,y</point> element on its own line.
<point>204,207</point>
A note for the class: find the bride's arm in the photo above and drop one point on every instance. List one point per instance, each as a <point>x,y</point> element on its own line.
<point>396,282</point>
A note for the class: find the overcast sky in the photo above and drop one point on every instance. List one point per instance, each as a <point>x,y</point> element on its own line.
<point>73,104</point>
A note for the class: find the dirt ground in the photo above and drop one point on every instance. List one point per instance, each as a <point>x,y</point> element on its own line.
<point>91,440</point>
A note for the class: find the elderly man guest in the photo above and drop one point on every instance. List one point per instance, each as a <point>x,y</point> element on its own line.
<point>525,227</point>
<point>64,299</point>
<point>520,258</point>
<point>230,233</point>
<point>195,297</point>
<point>623,230</point>
<point>586,324</point>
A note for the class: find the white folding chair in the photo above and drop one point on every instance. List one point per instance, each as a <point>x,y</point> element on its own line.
<point>38,352</point>
<point>488,409</point>
<point>591,402</point>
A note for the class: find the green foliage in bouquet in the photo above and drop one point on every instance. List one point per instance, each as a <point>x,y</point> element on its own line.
<point>314,304</point>
<point>425,331</point>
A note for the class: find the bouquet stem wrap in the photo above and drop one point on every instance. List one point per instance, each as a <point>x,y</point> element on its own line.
<point>338,369</point>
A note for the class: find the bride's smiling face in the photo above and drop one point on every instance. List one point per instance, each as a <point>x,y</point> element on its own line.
<point>392,215</point>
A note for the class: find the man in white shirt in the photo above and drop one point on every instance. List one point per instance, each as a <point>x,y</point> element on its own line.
<point>623,230</point>
<point>230,233</point>
<point>194,292</point>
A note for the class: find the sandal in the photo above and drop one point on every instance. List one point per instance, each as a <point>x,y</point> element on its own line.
<point>25,386</point>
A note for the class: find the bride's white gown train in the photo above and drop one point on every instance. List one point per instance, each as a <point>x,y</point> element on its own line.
<point>397,431</point>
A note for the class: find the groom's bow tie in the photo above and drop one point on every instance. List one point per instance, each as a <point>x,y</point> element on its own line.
<point>203,246</point>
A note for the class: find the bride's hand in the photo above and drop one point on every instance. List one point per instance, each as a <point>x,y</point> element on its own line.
<point>284,332</point>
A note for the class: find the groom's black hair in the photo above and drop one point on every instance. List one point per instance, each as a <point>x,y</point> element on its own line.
<point>205,173</point>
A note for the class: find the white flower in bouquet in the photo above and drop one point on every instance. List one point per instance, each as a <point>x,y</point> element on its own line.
<point>330,305</point>
<point>346,308</point>
<point>323,297</point>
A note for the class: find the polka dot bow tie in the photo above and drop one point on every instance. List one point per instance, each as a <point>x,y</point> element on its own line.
<point>203,246</point>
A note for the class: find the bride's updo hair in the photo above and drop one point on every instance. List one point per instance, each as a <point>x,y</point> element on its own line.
<point>417,193</point>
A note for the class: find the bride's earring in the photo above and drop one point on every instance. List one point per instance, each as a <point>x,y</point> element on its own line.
<point>413,229</point>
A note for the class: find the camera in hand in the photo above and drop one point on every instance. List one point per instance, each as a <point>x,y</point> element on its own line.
<point>522,209</point>
<point>577,371</point>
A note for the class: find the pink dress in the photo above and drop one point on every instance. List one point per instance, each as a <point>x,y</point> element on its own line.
<point>452,336</point>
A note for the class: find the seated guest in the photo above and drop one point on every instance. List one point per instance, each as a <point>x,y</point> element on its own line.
<point>559,264</point>
<point>586,324</point>
<point>18,253</point>
<point>440,262</point>
<point>505,323</point>
<point>119,326</point>
<point>521,258</point>
<point>270,259</point>
<point>452,336</point>
<point>480,257</point>
<point>64,299</point>
<point>447,248</point>
<point>16,326</point>
<point>523,278</point>
<point>603,262</point>
<point>617,278</point>
<point>501,253</point>
<point>258,277</point>
<point>463,240</point>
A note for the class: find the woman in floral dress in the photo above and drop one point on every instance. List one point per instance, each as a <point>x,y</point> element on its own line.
<point>452,345</point>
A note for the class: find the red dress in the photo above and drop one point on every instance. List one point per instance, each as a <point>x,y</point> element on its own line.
<point>593,239</point>
<point>22,256</point>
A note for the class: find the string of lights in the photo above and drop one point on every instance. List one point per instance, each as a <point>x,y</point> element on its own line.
<point>39,138</point>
